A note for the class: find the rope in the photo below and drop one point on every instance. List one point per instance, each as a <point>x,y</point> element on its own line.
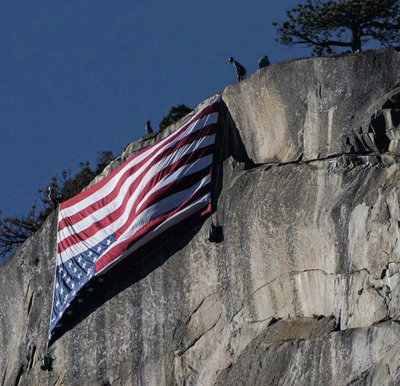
<point>46,345</point>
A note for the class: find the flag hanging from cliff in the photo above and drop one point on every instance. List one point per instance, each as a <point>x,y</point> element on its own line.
<point>131,208</point>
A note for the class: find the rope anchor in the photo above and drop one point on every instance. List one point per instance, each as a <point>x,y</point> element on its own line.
<point>215,234</point>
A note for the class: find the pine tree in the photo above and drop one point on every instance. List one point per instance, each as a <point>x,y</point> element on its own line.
<point>15,230</point>
<point>175,114</point>
<point>340,23</point>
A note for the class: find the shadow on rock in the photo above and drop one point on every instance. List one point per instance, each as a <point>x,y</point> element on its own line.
<point>228,143</point>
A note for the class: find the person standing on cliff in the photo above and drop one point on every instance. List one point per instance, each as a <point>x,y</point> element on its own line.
<point>240,70</point>
<point>148,128</point>
<point>53,196</point>
<point>263,62</point>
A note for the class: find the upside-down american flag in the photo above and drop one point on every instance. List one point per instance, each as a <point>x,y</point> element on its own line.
<point>149,193</point>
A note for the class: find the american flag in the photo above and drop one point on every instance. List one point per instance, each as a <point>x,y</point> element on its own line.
<point>149,193</point>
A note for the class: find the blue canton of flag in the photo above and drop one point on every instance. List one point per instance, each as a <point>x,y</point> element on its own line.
<point>72,276</point>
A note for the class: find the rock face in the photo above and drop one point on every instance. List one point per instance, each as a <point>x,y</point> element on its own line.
<point>304,288</point>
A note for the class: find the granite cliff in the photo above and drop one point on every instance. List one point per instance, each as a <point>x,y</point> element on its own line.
<point>304,289</point>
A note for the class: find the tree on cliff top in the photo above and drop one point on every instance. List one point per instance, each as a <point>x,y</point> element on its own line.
<point>15,230</point>
<point>340,23</point>
<point>175,114</point>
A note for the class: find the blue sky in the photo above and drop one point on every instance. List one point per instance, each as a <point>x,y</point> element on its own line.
<point>79,76</point>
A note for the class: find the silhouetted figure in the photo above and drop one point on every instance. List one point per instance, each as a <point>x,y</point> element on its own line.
<point>52,196</point>
<point>263,62</point>
<point>240,70</point>
<point>149,130</point>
